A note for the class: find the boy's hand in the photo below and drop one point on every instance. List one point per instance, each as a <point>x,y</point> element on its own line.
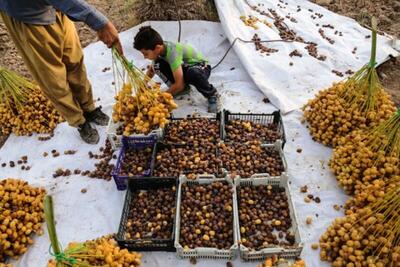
<point>109,36</point>
<point>150,71</point>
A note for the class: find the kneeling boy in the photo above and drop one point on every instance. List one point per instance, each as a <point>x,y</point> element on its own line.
<point>178,65</point>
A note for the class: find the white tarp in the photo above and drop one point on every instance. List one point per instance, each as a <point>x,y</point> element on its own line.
<point>86,216</point>
<point>289,87</point>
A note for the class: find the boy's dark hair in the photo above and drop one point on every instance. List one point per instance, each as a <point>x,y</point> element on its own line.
<point>147,38</point>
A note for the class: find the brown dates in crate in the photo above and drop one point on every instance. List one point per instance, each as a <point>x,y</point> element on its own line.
<point>250,158</point>
<point>206,216</point>
<point>151,215</point>
<point>136,161</point>
<point>193,129</point>
<point>264,217</point>
<point>196,158</point>
<point>242,131</point>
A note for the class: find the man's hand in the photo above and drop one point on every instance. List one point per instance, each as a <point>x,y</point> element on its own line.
<point>109,36</point>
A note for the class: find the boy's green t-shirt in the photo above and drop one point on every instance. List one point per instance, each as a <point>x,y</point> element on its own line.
<point>178,54</point>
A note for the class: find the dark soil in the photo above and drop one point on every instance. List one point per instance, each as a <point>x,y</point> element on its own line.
<point>389,73</point>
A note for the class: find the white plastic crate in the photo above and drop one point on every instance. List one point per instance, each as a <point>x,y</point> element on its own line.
<point>278,147</point>
<point>205,252</point>
<point>116,140</point>
<point>293,252</point>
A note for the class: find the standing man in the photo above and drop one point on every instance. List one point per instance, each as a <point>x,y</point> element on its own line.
<point>49,45</point>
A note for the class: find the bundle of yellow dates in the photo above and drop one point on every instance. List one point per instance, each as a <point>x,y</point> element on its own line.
<point>23,108</point>
<point>102,252</point>
<point>144,111</point>
<point>140,104</point>
<point>366,194</point>
<point>331,116</point>
<point>21,215</point>
<point>367,164</point>
<point>369,236</point>
<point>274,261</point>
<point>360,102</point>
<point>364,156</point>
<point>252,21</point>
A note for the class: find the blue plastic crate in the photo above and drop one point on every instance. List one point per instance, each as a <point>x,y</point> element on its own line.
<point>121,181</point>
<point>137,141</point>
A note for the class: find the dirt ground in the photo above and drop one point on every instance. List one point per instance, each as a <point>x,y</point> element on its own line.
<point>389,73</point>
<point>386,11</point>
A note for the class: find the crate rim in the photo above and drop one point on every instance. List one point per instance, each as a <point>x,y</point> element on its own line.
<point>205,252</point>
<point>185,172</point>
<point>217,117</point>
<point>124,216</point>
<point>246,253</point>
<point>118,165</point>
<point>111,132</point>
<point>277,145</point>
<point>224,119</point>
<point>228,112</point>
